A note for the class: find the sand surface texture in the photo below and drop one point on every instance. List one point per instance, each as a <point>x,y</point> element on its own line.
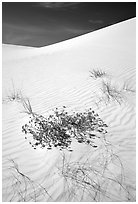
<point>59,75</point>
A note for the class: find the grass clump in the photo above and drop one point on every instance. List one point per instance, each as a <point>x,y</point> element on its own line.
<point>97,73</point>
<point>13,94</point>
<point>111,92</point>
<point>59,128</point>
<point>27,106</point>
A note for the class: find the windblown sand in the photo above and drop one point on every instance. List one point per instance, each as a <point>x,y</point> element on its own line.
<point>56,76</point>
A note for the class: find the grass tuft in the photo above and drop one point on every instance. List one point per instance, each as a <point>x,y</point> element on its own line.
<point>111,93</point>
<point>27,106</point>
<point>97,73</point>
<point>13,94</point>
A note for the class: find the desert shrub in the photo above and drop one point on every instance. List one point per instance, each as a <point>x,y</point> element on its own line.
<point>59,128</point>
<point>97,73</point>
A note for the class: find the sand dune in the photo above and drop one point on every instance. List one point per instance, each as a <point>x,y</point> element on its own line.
<point>58,75</point>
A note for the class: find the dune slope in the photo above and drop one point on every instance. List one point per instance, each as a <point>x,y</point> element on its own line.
<point>59,75</point>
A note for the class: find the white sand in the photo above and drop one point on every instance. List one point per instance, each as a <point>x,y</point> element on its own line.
<point>58,75</point>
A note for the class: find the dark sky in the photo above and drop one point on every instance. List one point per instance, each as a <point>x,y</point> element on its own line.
<point>38,24</point>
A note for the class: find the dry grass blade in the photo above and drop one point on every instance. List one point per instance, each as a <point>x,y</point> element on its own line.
<point>27,106</point>
<point>24,189</point>
<point>93,179</point>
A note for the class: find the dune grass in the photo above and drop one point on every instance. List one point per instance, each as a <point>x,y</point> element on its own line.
<point>111,93</point>
<point>16,95</point>
<point>92,179</point>
<point>13,94</point>
<point>27,106</point>
<point>23,188</point>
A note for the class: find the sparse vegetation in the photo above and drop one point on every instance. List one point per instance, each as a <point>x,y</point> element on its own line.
<point>58,129</point>
<point>128,88</point>
<point>13,94</point>
<point>27,106</point>
<point>97,73</point>
<point>111,93</point>
<point>23,188</point>
<point>92,179</point>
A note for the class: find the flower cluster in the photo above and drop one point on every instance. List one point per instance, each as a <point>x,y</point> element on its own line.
<point>58,129</point>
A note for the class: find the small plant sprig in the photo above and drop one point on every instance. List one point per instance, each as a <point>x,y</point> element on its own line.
<point>97,73</point>
<point>111,92</point>
<point>27,106</point>
<point>59,128</point>
<point>128,88</point>
<point>13,94</point>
